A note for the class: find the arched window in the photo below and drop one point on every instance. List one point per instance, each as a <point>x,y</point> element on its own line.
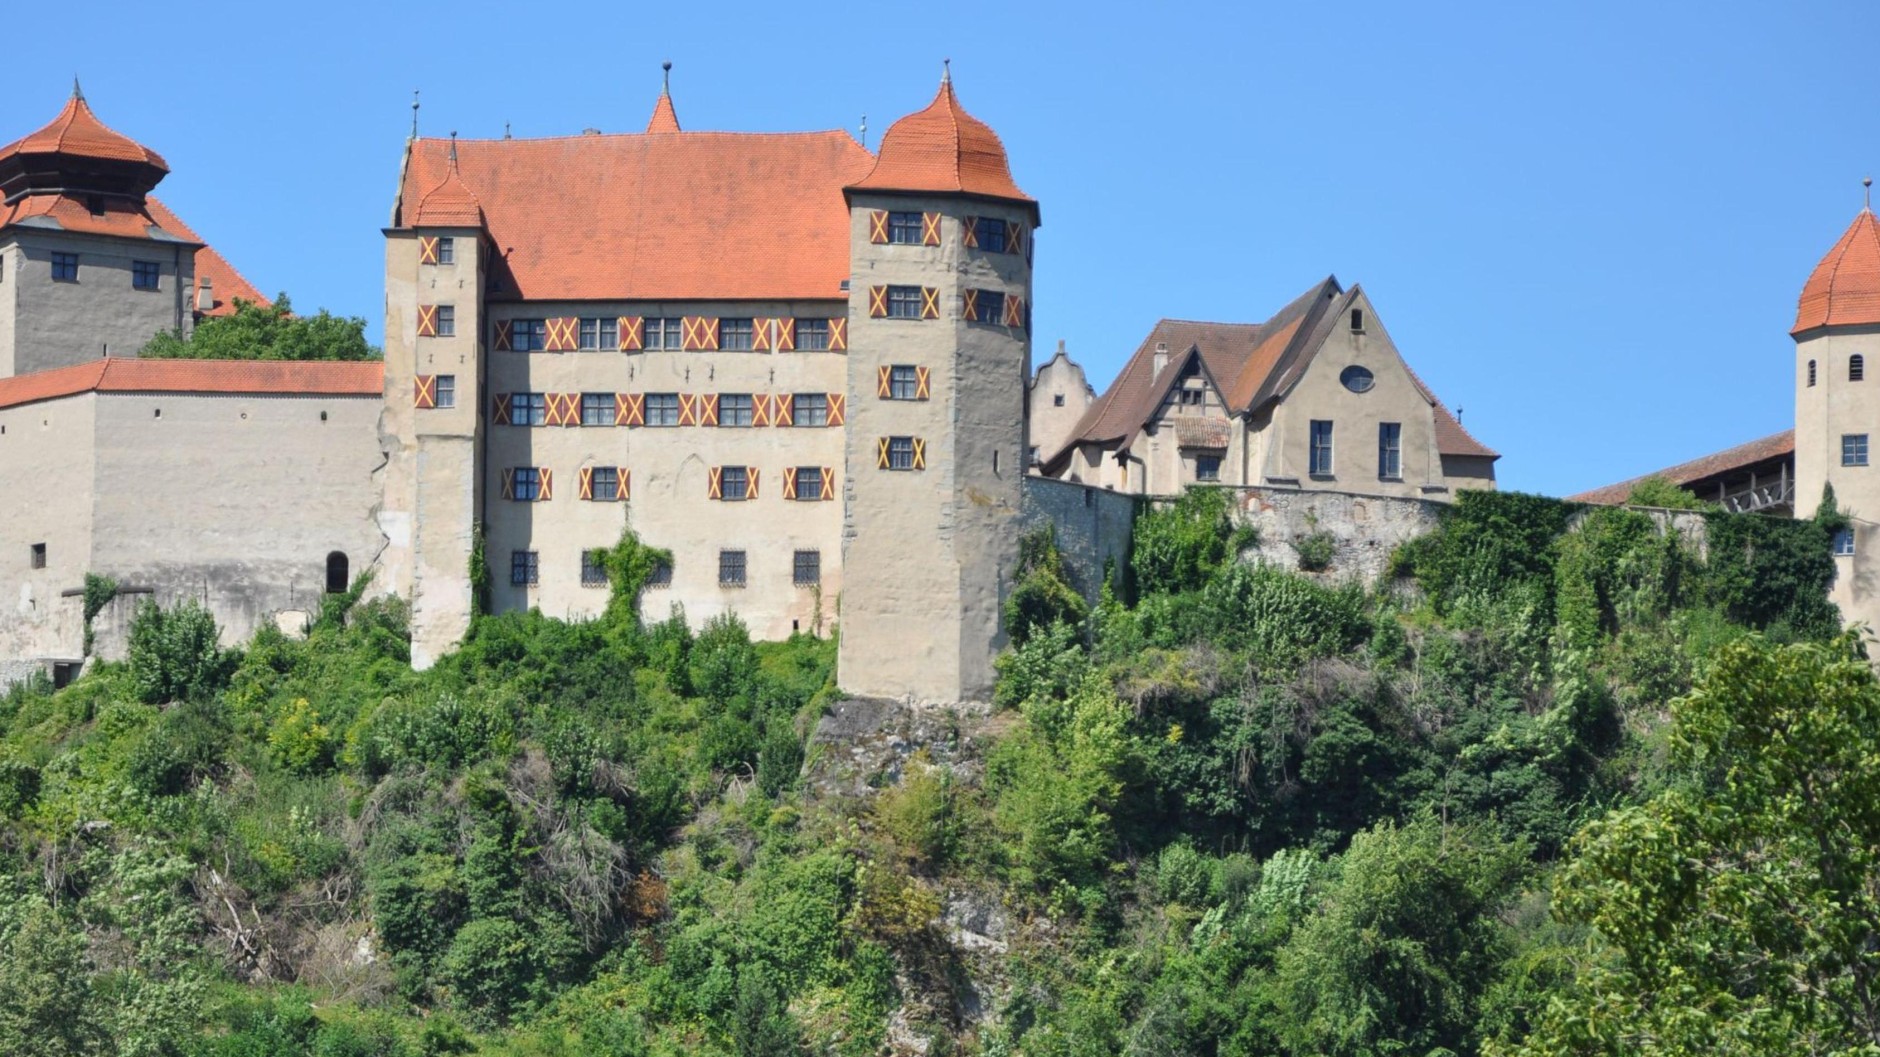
<point>1811,374</point>
<point>1856,367</point>
<point>337,579</point>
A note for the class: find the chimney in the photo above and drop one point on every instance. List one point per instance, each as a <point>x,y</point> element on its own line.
<point>1161,359</point>
<point>205,296</point>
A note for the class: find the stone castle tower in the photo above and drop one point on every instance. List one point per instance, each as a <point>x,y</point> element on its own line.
<point>1837,408</point>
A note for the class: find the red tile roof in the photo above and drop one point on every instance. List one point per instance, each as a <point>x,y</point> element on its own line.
<point>225,283</point>
<point>943,149</point>
<point>1845,286</point>
<point>120,217</point>
<point>1774,446</point>
<point>665,118</point>
<point>451,204</point>
<point>123,375</point>
<point>78,132</point>
<point>669,216</point>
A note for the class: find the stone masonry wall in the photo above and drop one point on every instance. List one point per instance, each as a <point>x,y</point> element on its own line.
<point>1365,529</point>
<point>1093,526</point>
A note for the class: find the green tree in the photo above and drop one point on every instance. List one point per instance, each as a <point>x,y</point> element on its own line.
<point>1178,547</point>
<point>267,332</point>
<point>174,653</point>
<point>47,1004</point>
<point>1042,595</point>
<point>1660,492</point>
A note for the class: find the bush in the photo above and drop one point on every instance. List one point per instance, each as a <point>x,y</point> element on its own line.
<point>184,746</point>
<point>1043,594</point>
<point>1315,551</point>
<point>1282,618</point>
<point>174,653</point>
<point>1180,546</point>
<point>490,968</point>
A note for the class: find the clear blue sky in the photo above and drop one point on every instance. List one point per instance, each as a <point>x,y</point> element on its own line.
<point>1585,226</point>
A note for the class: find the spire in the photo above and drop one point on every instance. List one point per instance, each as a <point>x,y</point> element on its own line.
<point>414,113</point>
<point>453,150</point>
<point>1866,183</point>
<point>78,94</point>
<point>665,118</point>
<point>946,71</point>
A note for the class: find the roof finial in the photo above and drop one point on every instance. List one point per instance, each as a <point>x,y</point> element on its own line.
<point>1866,183</point>
<point>665,84</point>
<point>946,71</point>
<point>864,131</point>
<point>453,150</point>
<point>506,130</point>
<point>414,113</point>
<point>77,92</point>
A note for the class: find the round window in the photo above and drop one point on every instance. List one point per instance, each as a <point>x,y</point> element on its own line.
<point>1357,379</point>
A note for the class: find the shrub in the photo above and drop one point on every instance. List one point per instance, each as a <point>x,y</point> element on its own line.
<point>1180,546</point>
<point>298,740</point>
<point>1315,550</point>
<point>184,746</point>
<point>1042,595</point>
<point>1282,618</point>
<point>19,787</point>
<point>489,968</point>
<point>920,813</point>
<point>174,653</point>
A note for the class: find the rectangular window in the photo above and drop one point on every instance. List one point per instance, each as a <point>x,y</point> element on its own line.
<point>446,390</point>
<point>39,556</point>
<point>1207,467</point>
<point>65,267</point>
<point>731,568</point>
<point>593,573</point>
<point>900,453</point>
<point>734,334</point>
<point>1390,450</point>
<point>904,301</point>
<point>660,575</point>
<point>808,483</point>
<point>597,409</point>
<point>812,335</point>
<point>599,332</point>
<point>528,335</point>
<point>1853,449</point>
<point>735,482</point>
<point>989,305</point>
<point>524,569</point>
<point>663,333</point>
<point>527,409</point>
<point>446,250</point>
<point>662,409</point>
<point>806,569</point>
<point>904,229</point>
<point>1321,463</point>
<point>1844,542</point>
<point>145,275</point>
<point>989,232</point>
<point>526,484</point>
<point>809,409</point>
<point>901,382</point>
<point>606,484</point>
<point>447,321</point>
<point>734,409</point>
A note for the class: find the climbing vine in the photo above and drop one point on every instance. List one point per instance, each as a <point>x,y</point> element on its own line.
<point>99,591</point>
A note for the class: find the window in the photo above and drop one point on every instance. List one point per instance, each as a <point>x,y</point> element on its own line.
<point>65,267</point>
<point>663,333</point>
<point>446,391</point>
<point>1856,367</point>
<point>808,483</point>
<point>337,580</point>
<point>809,409</point>
<point>806,569</point>
<point>446,250</point>
<point>447,321</point>
<point>734,482</point>
<point>1321,463</point>
<point>1811,374</point>
<point>524,569</point>
<point>39,556</point>
<point>731,568</point>
<point>734,335</point>
<point>599,332</point>
<point>1357,379</point>
<point>527,409</point>
<point>145,275</point>
<point>904,301</point>
<point>605,483</point>
<point>1843,542</point>
<point>1390,450</point>
<point>989,232</point>
<point>734,409</point>
<point>900,453</point>
<point>1057,399</point>
<point>526,484</point>
<point>988,305</point>
<point>593,573</point>
<point>1187,397</point>
<point>528,335</point>
<point>660,575</point>
<point>662,409</point>
<point>901,382</point>
<point>1357,321</point>
<point>1853,449</point>
<point>597,409</point>
<point>904,229</point>
<point>812,335</point>
<point>1207,467</point>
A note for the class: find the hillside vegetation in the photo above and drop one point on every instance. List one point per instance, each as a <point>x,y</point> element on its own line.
<point>1563,785</point>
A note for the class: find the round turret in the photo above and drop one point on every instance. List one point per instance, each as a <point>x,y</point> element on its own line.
<point>943,150</point>
<point>1845,287</point>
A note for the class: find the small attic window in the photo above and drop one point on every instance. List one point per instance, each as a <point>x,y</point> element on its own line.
<point>1856,367</point>
<point>1357,379</point>
<point>1811,374</point>
<point>1357,321</point>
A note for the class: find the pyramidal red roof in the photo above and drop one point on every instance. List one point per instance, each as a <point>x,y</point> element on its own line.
<point>665,118</point>
<point>1845,287</point>
<point>943,149</point>
<point>77,132</point>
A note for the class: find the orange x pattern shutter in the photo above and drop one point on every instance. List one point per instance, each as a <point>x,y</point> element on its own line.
<point>715,483</point>
<point>929,303</point>
<point>760,334</point>
<point>547,491</point>
<point>1014,310</point>
<point>930,229</point>
<point>839,335</point>
<point>551,409</point>
<point>828,483</point>
<point>789,482</point>
<point>786,333</point>
<point>969,304</point>
<point>427,321</point>
<point>1014,237</point>
<point>629,409</point>
<point>920,457</point>
<point>708,409</point>
<point>878,227</point>
<point>424,394</point>
<point>838,406</point>
<point>509,483</point>
<point>688,409</point>
<point>632,333</point>
<point>499,409</point>
<point>427,249</point>
<point>923,383</point>
<point>587,482</point>
<point>782,410</point>
<point>877,302</point>
<point>760,410</point>
<point>626,480</point>
<point>969,232</point>
<point>750,489</point>
<point>560,334</point>
<point>504,341</point>
<point>881,453</point>
<point>884,385</point>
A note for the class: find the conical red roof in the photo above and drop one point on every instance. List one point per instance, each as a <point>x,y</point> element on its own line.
<point>78,133</point>
<point>1845,288</point>
<point>943,149</point>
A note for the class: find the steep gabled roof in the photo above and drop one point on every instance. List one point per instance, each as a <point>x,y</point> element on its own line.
<point>1774,446</point>
<point>1845,286</point>
<point>225,283</point>
<point>261,377</point>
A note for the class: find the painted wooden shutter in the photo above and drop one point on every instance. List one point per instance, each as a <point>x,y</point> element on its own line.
<point>427,249</point>
<point>969,304</point>
<point>750,486</point>
<point>839,335</point>
<point>587,482</point>
<point>629,409</point>
<point>715,483</point>
<point>881,453</point>
<point>561,334</point>
<point>551,409</point>
<point>427,321</point>
<point>929,303</point>
<point>688,409</point>
<point>838,404</point>
<point>969,232</point>
<point>786,333</point>
<point>923,383</point>
<point>547,491</point>
<point>632,333</point>
<point>699,333</point>
<point>504,341</point>
<point>499,409</point>
<point>789,482</point>
<point>1014,310</point>
<point>783,410</point>
<point>920,457</point>
<point>760,410</point>
<point>760,334</point>
<point>884,382</point>
<point>1014,237</point>
<point>877,302</point>
<point>708,409</point>
<point>930,229</point>
<point>828,482</point>
<point>509,483</point>
<point>878,227</point>
<point>626,480</point>
<point>424,394</point>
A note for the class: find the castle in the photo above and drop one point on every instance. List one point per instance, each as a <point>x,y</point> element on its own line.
<point>799,366</point>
